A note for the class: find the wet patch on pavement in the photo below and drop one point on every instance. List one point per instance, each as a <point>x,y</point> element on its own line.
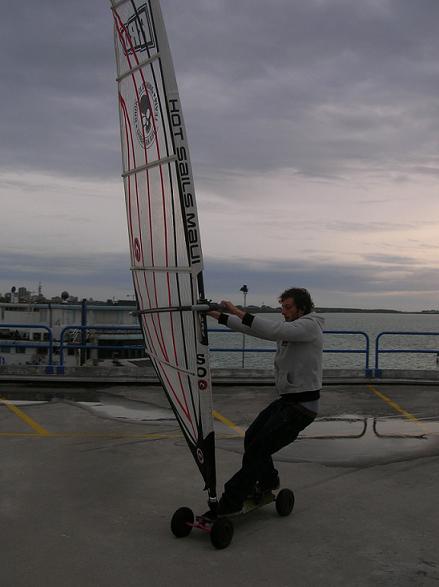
<point>128,411</point>
<point>364,441</point>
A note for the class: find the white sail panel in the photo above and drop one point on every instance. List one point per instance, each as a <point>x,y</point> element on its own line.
<point>137,38</point>
<point>155,226</point>
<point>163,228</point>
<point>144,103</point>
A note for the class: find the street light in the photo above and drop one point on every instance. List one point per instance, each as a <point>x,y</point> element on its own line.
<point>244,290</point>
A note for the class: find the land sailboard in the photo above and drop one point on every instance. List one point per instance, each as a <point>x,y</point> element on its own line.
<point>164,234</point>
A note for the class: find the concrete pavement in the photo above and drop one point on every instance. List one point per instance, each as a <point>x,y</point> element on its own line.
<point>88,489</point>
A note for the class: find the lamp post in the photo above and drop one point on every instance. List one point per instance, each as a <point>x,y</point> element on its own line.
<point>244,290</point>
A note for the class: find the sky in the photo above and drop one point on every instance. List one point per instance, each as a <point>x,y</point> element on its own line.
<point>314,136</point>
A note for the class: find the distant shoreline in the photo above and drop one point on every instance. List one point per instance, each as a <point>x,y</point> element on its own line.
<point>319,310</point>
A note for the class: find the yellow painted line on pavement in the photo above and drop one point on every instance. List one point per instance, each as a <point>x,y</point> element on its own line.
<point>104,435</point>
<point>40,431</point>
<point>228,423</point>
<point>399,409</point>
<point>147,436</point>
<point>97,435</point>
<point>25,418</point>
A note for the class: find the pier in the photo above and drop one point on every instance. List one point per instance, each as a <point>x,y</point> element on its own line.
<point>92,473</point>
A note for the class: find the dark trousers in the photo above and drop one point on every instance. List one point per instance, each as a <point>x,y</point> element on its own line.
<point>276,426</point>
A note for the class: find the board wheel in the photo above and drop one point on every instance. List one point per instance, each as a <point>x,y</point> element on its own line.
<point>181,522</point>
<point>221,533</point>
<point>284,502</point>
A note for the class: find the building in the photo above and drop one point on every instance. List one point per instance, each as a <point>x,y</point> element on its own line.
<point>51,333</point>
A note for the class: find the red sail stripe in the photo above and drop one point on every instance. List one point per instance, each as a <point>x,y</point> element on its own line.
<point>122,40</point>
<point>130,142</point>
<point>185,409</point>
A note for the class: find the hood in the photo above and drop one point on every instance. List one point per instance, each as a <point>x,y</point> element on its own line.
<point>315,318</point>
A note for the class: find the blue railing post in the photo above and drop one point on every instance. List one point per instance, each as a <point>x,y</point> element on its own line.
<point>49,368</point>
<point>83,352</point>
<point>367,371</point>
<point>60,369</point>
<point>378,371</point>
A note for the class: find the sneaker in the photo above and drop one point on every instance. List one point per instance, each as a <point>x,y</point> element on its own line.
<point>254,492</point>
<point>225,508</point>
<point>258,491</point>
<point>263,488</point>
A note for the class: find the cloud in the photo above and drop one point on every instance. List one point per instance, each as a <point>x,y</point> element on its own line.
<point>348,226</point>
<point>428,171</point>
<point>384,279</point>
<point>325,276</point>
<point>398,260</point>
<point>43,213</point>
<point>314,86</point>
<point>58,100</point>
<point>101,274</point>
<point>296,113</point>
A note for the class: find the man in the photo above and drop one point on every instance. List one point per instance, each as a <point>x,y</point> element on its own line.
<point>298,380</point>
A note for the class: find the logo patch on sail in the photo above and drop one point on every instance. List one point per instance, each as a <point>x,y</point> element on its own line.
<point>139,29</point>
<point>137,250</point>
<point>146,115</point>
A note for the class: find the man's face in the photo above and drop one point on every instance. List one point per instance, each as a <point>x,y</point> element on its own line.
<point>289,310</point>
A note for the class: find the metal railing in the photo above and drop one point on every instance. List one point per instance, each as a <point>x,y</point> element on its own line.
<point>64,345</point>
<point>89,346</point>
<point>380,351</point>
<point>365,351</point>
<point>21,343</point>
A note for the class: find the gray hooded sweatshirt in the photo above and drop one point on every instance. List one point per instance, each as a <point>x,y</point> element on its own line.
<point>298,360</point>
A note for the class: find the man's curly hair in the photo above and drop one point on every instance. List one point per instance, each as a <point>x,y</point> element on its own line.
<point>301,297</point>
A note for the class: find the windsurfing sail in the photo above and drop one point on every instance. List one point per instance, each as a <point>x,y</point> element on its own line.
<point>164,234</point>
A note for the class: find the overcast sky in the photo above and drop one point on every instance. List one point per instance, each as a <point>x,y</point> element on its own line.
<point>314,135</point>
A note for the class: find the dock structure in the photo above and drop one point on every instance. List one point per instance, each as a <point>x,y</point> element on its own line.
<point>92,473</point>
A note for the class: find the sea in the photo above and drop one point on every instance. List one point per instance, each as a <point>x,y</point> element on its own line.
<point>346,348</point>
